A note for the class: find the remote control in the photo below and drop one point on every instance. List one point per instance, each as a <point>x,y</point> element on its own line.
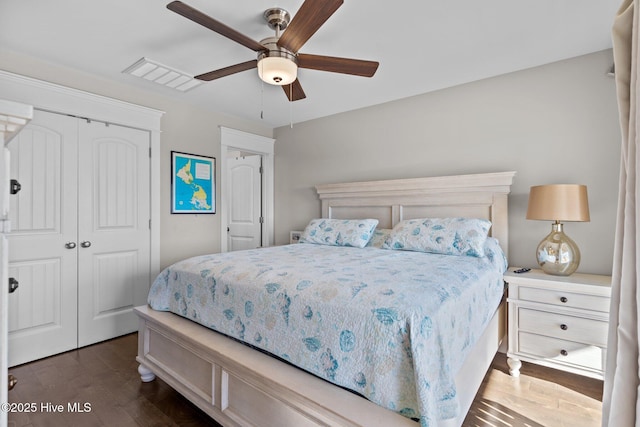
<point>521,270</point>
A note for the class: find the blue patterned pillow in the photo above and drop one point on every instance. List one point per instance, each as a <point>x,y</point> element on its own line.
<point>339,232</point>
<point>493,252</point>
<point>378,238</point>
<point>448,236</point>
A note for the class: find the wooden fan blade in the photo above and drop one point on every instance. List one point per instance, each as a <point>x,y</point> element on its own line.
<point>294,91</point>
<point>227,71</point>
<point>356,67</point>
<point>311,15</point>
<point>217,26</point>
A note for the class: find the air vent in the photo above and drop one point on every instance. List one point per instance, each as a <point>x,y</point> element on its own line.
<point>166,76</point>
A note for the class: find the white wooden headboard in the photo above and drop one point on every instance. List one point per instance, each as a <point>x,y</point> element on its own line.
<point>391,201</point>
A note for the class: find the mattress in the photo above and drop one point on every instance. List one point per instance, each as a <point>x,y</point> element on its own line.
<point>393,326</point>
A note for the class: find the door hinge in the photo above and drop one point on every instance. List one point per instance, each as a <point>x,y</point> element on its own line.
<point>14,187</point>
<point>149,224</point>
<point>261,170</point>
<point>11,382</point>
<point>261,220</point>
<point>149,152</point>
<point>13,285</point>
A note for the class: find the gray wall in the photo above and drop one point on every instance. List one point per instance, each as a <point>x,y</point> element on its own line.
<point>556,123</point>
<point>184,128</point>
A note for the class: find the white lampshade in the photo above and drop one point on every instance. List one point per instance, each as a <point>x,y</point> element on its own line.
<point>278,71</point>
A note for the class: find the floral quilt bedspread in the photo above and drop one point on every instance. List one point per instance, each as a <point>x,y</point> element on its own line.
<point>393,326</point>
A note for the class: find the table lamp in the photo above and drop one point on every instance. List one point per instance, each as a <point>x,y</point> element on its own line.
<point>557,254</point>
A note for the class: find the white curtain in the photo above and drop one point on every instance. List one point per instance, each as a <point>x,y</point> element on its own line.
<point>621,400</point>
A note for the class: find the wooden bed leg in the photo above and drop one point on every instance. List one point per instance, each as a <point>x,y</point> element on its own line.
<point>145,374</point>
<point>514,366</point>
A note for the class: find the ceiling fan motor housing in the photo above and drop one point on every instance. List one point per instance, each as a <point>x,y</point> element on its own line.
<point>277,65</point>
<point>278,19</point>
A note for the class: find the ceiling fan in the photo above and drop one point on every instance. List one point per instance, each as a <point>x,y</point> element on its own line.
<point>278,57</point>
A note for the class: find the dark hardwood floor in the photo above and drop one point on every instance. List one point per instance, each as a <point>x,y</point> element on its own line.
<point>105,378</point>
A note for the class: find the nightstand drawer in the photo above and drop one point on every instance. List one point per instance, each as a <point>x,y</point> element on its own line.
<point>565,327</point>
<point>562,351</point>
<point>564,299</point>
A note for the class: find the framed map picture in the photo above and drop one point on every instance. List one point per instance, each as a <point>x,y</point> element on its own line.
<point>193,183</point>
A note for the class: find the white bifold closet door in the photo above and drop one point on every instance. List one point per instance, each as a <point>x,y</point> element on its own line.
<point>80,240</point>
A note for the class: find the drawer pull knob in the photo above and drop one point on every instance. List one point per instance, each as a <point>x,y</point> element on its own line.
<point>564,327</point>
<point>564,352</point>
<point>563,299</point>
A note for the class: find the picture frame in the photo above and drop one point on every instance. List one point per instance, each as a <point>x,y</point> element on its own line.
<point>193,184</point>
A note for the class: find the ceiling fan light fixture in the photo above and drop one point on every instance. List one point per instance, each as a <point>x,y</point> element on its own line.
<point>277,71</point>
<point>276,65</point>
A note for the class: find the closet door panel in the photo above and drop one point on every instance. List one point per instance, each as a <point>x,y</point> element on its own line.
<point>42,311</point>
<point>113,229</point>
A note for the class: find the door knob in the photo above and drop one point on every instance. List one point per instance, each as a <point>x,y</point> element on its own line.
<point>70,245</point>
<point>85,244</point>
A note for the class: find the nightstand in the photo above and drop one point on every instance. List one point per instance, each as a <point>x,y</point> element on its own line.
<point>558,321</point>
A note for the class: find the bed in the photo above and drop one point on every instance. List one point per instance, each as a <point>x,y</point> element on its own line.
<point>240,386</point>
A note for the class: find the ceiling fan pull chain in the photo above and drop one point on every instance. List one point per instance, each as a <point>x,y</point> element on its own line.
<point>262,101</point>
<point>291,106</point>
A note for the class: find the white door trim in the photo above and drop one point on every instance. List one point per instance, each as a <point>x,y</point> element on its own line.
<point>56,98</point>
<point>233,140</point>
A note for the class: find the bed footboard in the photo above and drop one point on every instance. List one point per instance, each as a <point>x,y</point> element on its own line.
<point>238,386</point>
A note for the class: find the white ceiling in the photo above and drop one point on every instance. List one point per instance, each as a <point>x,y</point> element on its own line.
<point>422,45</point>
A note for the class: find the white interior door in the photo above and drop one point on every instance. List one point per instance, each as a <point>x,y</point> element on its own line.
<point>43,310</point>
<point>113,229</point>
<point>245,205</point>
